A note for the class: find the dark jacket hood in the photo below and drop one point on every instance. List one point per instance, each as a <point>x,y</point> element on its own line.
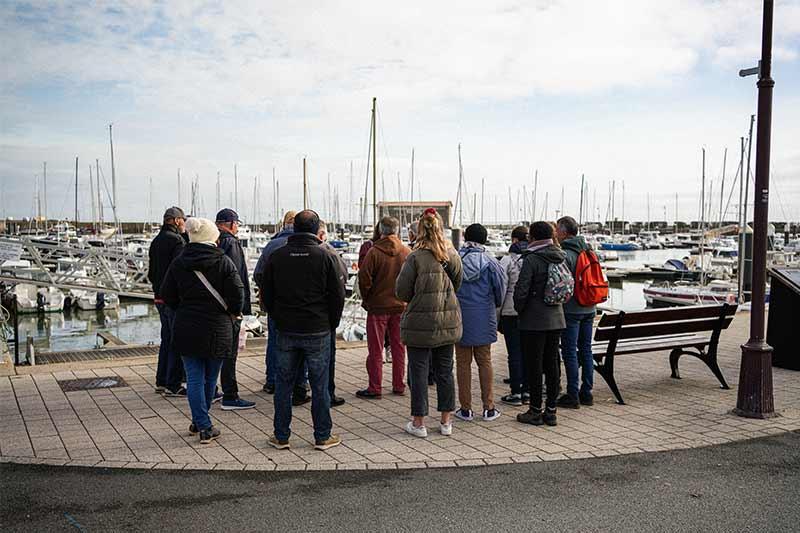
<point>198,256</point>
<point>551,254</point>
<point>575,244</point>
<point>389,245</point>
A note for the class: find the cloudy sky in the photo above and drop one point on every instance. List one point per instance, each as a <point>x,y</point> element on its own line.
<point>612,89</point>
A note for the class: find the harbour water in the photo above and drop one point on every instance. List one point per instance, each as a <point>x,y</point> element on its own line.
<point>137,322</point>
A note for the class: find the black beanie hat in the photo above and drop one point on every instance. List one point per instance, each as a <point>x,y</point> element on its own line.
<point>475,233</point>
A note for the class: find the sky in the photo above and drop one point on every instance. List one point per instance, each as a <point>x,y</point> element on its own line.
<point>614,90</point>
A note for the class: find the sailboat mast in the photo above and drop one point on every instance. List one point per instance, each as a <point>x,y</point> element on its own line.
<point>374,164</point>
<point>459,203</point>
<point>91,199</point>
<point>580,211</point>
<point>483,192</point>
<point>113,175</point>
<point>412,179</point>
<point>99,192</point>
<point>76,193</point>
<point>219,191</point>
<point>742,224</point>
<point>535,190</point>
<point>703,220</point>
<point>305,186</point>
<point>44,187</point>
<point>722,189</point>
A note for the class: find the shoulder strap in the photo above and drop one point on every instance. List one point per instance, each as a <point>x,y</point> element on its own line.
<point>211,289</point>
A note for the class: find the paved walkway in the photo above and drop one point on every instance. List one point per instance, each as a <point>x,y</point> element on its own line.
<point>132,427</point>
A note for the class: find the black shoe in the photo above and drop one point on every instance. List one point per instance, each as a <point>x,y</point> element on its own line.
<point>269,389</point>
<point>570,402</point>
<point>531,416</point>
<point>336,401</point>
<point>550,417</point>
<point>587,399</point>
<point>300,400</point>
<point>193,429</point>
<point>507,381</point>
<point>207,435</point>
<point>367,395</point>
<point>180,391</point>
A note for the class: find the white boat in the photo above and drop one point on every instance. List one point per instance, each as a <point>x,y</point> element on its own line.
<point>686,293</point>
<point>87,300</point>
<point>34,299</point>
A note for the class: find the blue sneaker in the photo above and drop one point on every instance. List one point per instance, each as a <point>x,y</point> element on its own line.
<point>237,405</point>
<point>217,396</point>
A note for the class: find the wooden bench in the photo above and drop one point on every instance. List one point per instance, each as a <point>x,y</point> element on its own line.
<point>682,330</point>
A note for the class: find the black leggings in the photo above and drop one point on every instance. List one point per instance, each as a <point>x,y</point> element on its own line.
<point>540,350</point>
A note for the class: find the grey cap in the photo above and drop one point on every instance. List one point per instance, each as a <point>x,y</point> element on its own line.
<point>174,212</point>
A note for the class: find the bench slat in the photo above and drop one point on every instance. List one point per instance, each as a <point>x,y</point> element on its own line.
<point>659,329</point>
<point>653,345</point>
<point>667,315</point>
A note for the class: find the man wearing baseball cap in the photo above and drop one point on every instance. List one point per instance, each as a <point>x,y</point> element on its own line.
<point>167,245</point>
<point>228,225</point>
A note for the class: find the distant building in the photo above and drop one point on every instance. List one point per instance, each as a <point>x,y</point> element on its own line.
<point>406,212</point>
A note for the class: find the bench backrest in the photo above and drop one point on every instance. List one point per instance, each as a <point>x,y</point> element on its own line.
<point>658,322</point>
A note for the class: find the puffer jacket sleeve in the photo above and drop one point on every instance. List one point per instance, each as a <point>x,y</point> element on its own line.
<point>499,281</point>
<point>404,286</point>
<point>524,282</point>
<point>232,286</point>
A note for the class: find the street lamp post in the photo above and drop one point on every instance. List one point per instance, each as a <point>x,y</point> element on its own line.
<point>755,379</point>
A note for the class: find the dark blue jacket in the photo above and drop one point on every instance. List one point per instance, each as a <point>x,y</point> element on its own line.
<point>278,240</point>
<point>482,291</point>
<point>232,247</point>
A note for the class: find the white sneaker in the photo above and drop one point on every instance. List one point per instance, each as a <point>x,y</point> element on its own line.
<point>420,432</point>
<point>446,429</point>
<point>491,414</point>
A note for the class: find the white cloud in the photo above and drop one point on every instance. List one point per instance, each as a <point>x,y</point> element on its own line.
<point>264,82</point>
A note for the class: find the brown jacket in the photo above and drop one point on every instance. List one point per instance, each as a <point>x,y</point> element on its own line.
<point>378,273</point>
<point>433,316</point>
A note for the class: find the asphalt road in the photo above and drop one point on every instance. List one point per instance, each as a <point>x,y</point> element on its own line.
<point>748,486</point>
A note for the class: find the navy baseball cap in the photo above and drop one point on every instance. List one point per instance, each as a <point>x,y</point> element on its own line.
<point>228,215</point>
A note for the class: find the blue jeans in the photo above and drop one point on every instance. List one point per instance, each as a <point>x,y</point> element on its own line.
<point>272,342</point>
<point>201,381</point>
<point>517,368</point>
<point>169,372</point>
<point>291,353</point>
<point>576,350</point>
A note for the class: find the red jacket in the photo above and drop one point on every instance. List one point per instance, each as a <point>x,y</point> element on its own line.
<point>378,273</point>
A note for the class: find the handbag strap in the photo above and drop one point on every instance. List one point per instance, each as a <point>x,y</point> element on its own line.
<point>211,289</point>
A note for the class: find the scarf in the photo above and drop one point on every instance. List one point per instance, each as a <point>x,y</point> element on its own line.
<point>470,244</point>
<point>518,247</point>
<point>538,245</point>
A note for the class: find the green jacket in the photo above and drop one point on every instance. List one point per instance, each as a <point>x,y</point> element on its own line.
<point>432,317</point>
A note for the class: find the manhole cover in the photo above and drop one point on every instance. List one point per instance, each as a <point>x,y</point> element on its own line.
<point>92,383</point>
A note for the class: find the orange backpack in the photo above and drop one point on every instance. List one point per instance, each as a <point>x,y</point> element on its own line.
<point>591,285</point>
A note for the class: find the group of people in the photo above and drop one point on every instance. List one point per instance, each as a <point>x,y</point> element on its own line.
<point>440,306</point>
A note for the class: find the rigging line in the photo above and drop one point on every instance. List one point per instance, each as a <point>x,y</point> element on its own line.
<point>383,140</point>
<point>774,180</point>
<point>733,188</point>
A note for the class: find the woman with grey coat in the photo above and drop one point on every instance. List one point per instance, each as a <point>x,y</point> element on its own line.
<point>540,324</point>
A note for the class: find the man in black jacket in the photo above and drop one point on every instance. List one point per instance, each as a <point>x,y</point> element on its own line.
<point>167,245</point>
<point>228,226</point>
<point>303,292</point>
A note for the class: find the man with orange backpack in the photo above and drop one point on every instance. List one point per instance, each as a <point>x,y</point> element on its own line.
<point>591,288</point>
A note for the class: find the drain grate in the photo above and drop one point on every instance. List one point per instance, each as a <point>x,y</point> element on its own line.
<point>110,382</point>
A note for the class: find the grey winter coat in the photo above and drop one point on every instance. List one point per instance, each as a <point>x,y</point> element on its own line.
<point>573,247</point>
<point>432,317</point>
<point>534,314</point>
